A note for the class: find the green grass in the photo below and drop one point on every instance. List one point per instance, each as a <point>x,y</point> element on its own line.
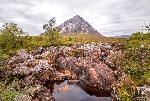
<point>88,38</point>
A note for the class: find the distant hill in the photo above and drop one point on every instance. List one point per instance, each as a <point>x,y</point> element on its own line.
<point>76,25</point>
<point>122,36</point>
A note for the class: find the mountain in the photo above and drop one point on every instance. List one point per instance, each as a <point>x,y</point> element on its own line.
<point>122,36</point>
<point>76,25</point>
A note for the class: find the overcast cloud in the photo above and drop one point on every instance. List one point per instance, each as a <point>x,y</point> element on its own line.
<point>109,17</point>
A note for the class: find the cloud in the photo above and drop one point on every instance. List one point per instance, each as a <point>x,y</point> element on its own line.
<point>109,17</point>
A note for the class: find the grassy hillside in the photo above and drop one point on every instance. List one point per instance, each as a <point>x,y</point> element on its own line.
<point>88,38</point>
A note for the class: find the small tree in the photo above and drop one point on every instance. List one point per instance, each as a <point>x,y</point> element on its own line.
<point>51,34</point>
<point>10,36</point>
<point>146,27</point>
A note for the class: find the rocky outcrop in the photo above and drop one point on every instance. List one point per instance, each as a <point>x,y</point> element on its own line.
<point>95,64</point>
<point>95,73</point>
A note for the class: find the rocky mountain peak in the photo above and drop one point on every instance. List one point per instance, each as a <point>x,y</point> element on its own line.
<point>76,25</point>
<point>77,17</point>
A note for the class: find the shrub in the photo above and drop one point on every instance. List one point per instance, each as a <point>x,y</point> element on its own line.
<point>7,92</point>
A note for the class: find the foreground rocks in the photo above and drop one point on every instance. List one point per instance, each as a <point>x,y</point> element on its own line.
<point>91,63</point>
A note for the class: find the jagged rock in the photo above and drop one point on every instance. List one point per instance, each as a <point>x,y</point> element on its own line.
<point>31,63</point>
<point>74,77</point>
<point>36,52</point>
<point>24,71</point>
<point>15,60</point>
<point>100,76</point>
<point>23,54</point>
<point>92,75</point>
<point>63,76</point>
<point>43,94</point>
<point>27,63</point>
<point>113,59</point>
<point>23,97</point>
<point>40,93</point>
<point>44,71</point>
<point>48,51</point>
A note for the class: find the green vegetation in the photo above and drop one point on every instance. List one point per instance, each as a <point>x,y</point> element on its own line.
<point>51,35</point>
<point>10,37</point>
<point>136,57</point>
<point>135,63</point>
<point>7,91</point>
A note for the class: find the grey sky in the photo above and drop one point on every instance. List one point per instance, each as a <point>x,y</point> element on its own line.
<point>109,17</point>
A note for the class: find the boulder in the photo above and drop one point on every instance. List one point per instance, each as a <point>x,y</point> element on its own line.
<point>43,94</point>
<point>48,51</point>
<point>14,60</point>
<point>36,52</point>
<point>40,93</point>
<point>44,71</point>
<point>23,54</point>
<point>100,78</point>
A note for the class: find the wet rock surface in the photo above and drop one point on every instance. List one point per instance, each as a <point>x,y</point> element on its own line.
<point>93,64</point>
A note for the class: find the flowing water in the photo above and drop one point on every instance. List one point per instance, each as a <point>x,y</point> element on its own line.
<point>76,92</point>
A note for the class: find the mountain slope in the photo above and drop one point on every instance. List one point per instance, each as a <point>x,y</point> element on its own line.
<point>76,25</point>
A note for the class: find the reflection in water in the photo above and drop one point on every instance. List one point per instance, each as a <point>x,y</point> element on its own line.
<point>80,92</point>
<point>93,91</point>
